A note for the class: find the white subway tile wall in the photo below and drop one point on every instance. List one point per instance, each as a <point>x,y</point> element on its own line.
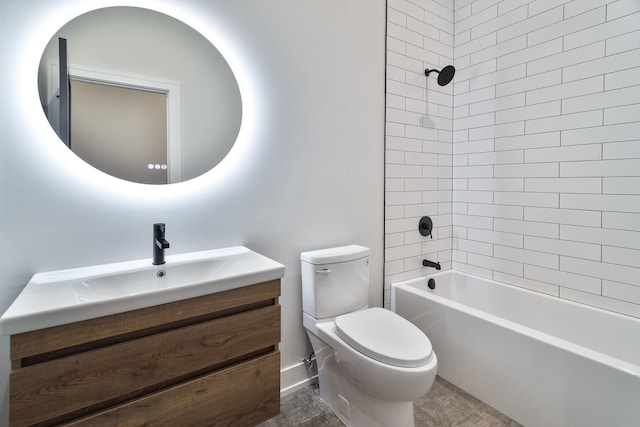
<point>530,164</point>
<point>420,35</point>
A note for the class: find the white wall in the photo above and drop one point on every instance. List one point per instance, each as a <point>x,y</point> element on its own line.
<point>307,175</point>
<point>418,137</point>
<point>546,144</point>
<point>546,147</point>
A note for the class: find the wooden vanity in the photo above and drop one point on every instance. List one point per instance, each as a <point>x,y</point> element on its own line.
<point>203,361</point>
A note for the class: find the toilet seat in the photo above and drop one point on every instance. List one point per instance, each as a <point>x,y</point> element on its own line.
<point>385,336</point>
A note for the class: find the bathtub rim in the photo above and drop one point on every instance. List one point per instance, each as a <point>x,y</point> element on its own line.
<point>593,355</point>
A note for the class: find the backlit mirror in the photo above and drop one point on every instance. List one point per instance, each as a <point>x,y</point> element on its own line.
<point>144,97</point>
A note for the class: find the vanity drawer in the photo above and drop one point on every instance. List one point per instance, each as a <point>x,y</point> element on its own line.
<point>242,395</point>
<point>44,344</point>
<point>79,384</point>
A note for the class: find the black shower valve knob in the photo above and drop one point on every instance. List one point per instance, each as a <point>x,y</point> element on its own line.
<point>425,226</point>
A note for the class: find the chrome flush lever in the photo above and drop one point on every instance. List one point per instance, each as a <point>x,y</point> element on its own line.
<point>323,271</point>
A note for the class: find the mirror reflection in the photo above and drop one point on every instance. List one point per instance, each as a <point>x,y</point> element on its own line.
<point>144,97</point>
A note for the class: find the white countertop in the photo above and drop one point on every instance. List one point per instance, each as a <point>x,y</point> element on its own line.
<point>66,296</point>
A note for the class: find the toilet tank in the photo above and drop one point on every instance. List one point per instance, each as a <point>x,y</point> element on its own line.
<point>335,281</point>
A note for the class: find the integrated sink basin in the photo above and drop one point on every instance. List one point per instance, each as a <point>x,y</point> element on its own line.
<point>66,296</point>
<point>155,278</point>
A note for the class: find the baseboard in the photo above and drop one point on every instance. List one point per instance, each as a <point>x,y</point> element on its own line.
<point>295,377</point>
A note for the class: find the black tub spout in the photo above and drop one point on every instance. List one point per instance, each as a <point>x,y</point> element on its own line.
<point>427,263</point>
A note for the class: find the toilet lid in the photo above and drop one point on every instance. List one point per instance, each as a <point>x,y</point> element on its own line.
<point>385,336</point>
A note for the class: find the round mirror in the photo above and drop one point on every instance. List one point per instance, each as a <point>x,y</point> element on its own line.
<point>139,95</point>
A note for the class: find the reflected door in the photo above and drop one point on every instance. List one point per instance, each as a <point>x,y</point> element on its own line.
<point>63,94</point>
<point>120,130</point>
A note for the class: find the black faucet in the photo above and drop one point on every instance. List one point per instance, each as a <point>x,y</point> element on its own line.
<point>427,263</point>
<point>159,244</point>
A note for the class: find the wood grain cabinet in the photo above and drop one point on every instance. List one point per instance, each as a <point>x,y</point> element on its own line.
<point>206,361</point>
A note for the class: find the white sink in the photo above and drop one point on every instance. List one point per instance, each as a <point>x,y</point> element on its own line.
<point>65,296</point>
<point>154,278</point>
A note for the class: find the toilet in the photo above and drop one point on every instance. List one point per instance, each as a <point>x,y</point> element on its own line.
<point>372,363</point>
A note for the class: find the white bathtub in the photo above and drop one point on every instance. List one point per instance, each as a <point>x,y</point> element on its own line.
<point>540,360</point>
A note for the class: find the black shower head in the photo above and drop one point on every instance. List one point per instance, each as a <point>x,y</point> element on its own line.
<point>444,76</point>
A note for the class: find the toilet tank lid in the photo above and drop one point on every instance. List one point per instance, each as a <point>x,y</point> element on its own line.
<point>339,254</point>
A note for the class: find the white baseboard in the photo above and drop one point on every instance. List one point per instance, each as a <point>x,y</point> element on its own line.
<point>295,377</point>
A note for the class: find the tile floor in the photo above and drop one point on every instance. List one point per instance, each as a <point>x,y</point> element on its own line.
<point>444,405</point>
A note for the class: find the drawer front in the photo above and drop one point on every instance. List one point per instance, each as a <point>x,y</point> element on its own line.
<point>86,382</point>
<point>242,395</point>
<point>124,326</point>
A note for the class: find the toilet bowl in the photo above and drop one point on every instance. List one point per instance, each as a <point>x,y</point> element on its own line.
<point>372,363</point>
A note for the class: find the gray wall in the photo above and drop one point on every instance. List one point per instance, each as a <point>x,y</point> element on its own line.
<point>307,173</point>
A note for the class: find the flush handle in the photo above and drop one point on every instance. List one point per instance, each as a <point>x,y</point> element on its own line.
<point>323,271</point>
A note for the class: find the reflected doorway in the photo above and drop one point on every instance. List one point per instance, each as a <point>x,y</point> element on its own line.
<point>120,130</point>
